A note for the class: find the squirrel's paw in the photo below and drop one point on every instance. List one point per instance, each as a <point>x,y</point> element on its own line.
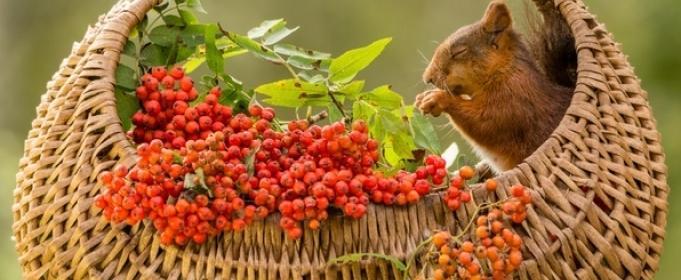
<point>433,102</point>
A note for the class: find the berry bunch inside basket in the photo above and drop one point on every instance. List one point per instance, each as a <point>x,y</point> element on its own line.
<point>202,169</point>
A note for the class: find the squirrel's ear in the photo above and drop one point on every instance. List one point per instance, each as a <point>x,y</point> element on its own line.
<point>497,17</point>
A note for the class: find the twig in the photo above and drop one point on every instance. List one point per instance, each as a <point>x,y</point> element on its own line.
<point>265,48</point>
<point>318,117</point>
<point>338,104</point>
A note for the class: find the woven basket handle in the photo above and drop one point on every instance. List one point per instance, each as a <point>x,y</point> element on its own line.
<point>110,42</point>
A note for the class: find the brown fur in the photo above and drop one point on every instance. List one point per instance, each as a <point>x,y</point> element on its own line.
<point>493,90</point>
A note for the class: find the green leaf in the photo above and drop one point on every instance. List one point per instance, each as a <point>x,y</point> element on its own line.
<point>266,26</point>
<point>126,77</point>
<point>291,50</point>
<point>384,97</point>
<point>213,56</point>
<point>126,106</point>
<point>362,111</point>
<point>164,36</point>
<point>159,8</point>
<point>292,93</point>
<point>192,35</point>
<point>233,52</point>
<point>173,20</point>
<point>196,6</point>
<point>190,179</point>
<point>405,111</point>
<point>172,54</point>
<point>130,49</point>
<point>254,47</point>
<point>183,52</point>
<point>403,145</point>
<point>301,63</point>
<point>153,55</point>
<point>310,78</point>
<point>334,113</point>
<point>344,68</point>
<point>352,88</point>
<point>277,35</point>
<point>193,63</point>
<point>393,123</point>
<point>188,17</point>
<point>424,134</point>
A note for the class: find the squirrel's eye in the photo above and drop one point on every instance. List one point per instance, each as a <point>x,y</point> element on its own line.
<point>458,51</point>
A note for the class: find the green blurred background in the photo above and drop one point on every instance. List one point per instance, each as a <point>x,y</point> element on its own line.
<point>35,35</point>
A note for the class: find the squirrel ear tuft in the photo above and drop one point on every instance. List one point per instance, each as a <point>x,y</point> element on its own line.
<point>497,18</point>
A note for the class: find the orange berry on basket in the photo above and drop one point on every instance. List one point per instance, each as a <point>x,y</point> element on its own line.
<point>468,247</point>
<point>439,274</point>
<point>491,185</point>
<point>467,172</point>
<point>443,260</point>
<point>441,238</point>
<point>515,258</point>
<point>465,258</point>
<point>518,191</point>
<point>481,232</point>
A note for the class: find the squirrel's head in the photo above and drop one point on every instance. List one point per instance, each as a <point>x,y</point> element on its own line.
<point>466,60</point>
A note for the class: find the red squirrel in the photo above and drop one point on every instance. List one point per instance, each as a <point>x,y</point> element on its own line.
<point>503,95</point>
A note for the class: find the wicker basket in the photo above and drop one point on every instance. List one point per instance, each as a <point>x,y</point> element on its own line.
<point>607,144</point>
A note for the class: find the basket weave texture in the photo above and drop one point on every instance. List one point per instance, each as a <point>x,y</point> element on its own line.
<point>607,144</point>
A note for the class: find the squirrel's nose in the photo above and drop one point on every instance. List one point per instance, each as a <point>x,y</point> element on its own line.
<point>428,78</point>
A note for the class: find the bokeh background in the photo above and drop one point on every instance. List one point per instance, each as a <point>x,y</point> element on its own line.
<point>35,35</point>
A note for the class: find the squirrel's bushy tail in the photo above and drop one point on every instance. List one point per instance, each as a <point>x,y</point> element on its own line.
<point>553,45</point>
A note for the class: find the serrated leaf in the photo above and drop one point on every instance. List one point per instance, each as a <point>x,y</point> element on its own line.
<point>344,68</point>
<point>384,97</point>
<point>164,36</point>
<point>406,111</point>
<point>393,123</point>
<point>126,77</point>
<point>153,55</point>
<point>403,145</point>
<point>126,106</point>
<point>130,49</point>
<point>362,111</point>
<point>188,17</point>
<point>292,93</point>
<point>213,56</point>
<point>266,26</point>
<point>254,47</point>
<point>196,6</point>
<point>173,20</point>
<point>291,50</point>
<point>277,35</point>
<point>424,134</point>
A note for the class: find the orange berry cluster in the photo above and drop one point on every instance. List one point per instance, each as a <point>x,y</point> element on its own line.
<point>203,170</point>
<point>493,252</point>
